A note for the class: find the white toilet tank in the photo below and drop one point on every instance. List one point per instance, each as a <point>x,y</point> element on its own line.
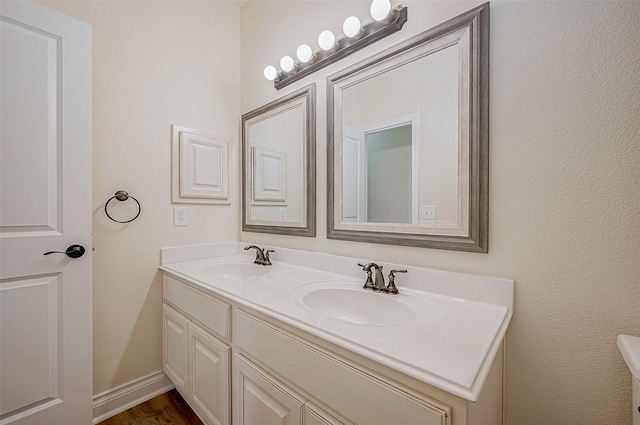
<point>630,349</point>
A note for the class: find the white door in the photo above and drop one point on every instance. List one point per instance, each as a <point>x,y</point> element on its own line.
<point>354,191</point>
<point>45,205</point>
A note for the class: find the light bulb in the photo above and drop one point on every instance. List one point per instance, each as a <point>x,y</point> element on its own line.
<point>270,73</point>
<point>326,40</point>
<point>286,63</point>
<point>351,26</point>
<point>380,9</point>
<point>304,53</point>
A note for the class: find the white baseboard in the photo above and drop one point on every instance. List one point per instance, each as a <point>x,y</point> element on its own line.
<point>119,399</point>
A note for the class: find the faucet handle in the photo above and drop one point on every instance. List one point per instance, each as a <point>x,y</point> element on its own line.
<point>267,262</point>
<point>391,287</point>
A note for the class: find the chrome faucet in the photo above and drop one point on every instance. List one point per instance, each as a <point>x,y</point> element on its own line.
<point>262,257</point>
<point>377,283</point>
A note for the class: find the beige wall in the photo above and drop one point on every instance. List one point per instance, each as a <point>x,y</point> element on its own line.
<point>154,64</point>
<point>564,185</point>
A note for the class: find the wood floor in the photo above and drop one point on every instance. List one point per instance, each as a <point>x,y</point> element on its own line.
<point>168,408</point>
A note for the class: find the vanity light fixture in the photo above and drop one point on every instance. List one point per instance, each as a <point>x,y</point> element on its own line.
<point>287,64</point>
<point>304,53</point>
<point>270,73</point>
<point>380,9</point>
<point>351,26</point>
<point>386,21</point>
<point>326,40</point>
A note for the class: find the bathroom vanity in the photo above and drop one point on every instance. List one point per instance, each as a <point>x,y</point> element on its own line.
<point>301,342</point>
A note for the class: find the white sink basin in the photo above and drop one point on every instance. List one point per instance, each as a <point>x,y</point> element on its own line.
<point>235,270</point>
<point>355,306</point>
<point>349,302</point>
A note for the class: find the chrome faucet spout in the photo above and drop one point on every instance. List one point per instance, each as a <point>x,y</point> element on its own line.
<point>260,255</point>
<point>378,281</point>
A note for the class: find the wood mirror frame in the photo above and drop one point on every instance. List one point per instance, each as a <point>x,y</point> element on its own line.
<point>304,99</point>
<point>473,118</point>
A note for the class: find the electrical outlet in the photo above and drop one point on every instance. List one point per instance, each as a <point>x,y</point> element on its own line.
<point>428,212</point>
<point>179,216</point>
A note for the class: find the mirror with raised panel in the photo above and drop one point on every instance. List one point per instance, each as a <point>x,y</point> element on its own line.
<point>278,166</point>
<point>408,141</point>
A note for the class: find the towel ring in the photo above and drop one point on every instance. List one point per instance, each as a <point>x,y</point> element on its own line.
<point>122,195</point>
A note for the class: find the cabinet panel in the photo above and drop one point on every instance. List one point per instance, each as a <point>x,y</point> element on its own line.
<point>209,376</point>
<point>355,394</point>
<point>313,415</point>
<point>212,313</point>
<point>175,328</point>
<point>262,400</point>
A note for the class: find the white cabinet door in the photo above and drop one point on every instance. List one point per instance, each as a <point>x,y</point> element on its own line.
<point>262,400</point>
<point>209,376</point>
<point>175,328</point>
<point>313,415</point>
<point>45,205</point>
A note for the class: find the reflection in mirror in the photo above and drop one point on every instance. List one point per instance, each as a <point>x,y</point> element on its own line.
<point>420,172</point>
<point>278,166</point>
<point>408,136</point>
<point>376,161</point>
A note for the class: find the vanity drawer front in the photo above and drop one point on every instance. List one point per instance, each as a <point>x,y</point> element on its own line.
<point>357,395</point>
<point>209,311</point>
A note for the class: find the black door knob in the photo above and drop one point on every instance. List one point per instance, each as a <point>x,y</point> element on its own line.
<point>74,251</point>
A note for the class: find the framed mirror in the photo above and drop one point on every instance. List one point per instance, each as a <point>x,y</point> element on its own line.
<point>408,133</point>
<point>278,166</point>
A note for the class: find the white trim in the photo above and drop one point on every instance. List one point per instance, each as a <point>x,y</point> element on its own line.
<point>193,161</point>
<point>179,174</point>
<point>119,399</point>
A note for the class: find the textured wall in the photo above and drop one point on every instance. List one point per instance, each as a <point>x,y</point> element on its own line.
<point>564,185</point>
<point>154,64</point>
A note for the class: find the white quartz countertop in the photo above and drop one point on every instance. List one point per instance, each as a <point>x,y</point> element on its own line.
<point>450,344</point>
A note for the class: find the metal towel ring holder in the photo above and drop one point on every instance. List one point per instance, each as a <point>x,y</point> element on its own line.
<point>122,195</point>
